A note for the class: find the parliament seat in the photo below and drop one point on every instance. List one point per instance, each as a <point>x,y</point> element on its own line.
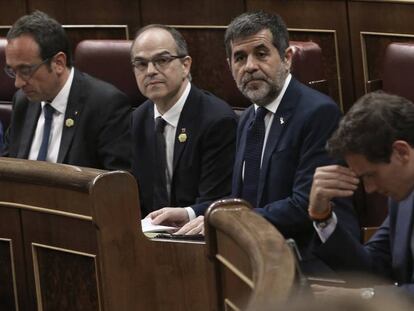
<point>307,65</point>
<point>71,239</point>
<point>254,267</point>
<point>397,71</point>
<point>7,88</point>
<point>109,60</point>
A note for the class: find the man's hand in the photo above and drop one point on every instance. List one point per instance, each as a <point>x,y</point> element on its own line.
<point>170,216</point>
<point>196,226</point>
<point>330,182</point>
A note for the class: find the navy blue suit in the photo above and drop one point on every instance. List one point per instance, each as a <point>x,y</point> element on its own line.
<point>202,165</point>
<point>386,254</point>
<point>295,147</point>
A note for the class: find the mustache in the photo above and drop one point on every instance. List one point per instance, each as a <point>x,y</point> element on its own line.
<point>254,76</point>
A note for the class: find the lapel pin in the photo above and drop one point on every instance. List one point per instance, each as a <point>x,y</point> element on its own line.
<point>282,121</point>
<point>69,122</point>
<point>76,113</point>
<point>182,138</point>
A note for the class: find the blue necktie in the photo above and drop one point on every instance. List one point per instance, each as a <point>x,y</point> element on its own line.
<point>253,156</point>
<point>160,182</point>
<point>48,111</point>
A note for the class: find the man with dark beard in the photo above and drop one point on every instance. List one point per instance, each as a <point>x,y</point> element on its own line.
<point>281,137</point>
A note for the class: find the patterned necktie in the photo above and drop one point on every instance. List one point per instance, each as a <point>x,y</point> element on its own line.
<point>253,156</point>
<point>48,111</point>
<point>160,182</point>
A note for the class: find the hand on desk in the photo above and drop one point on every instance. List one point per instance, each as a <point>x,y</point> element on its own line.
<point>330,182</point>
<point>195,226</point>
<point>170,216</point>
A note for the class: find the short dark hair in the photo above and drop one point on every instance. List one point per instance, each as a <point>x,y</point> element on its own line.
<point>372,125</point>
<point>47,33</point>
<point>251,23</point>
<point>180,42</point>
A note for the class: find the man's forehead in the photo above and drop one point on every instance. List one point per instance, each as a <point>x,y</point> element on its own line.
<point>23,48</point>
<point>154,41</point>
<point>359,164</point>
<point>262,38</point>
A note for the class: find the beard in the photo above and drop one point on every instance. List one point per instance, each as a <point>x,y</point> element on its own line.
<point>261,89</point>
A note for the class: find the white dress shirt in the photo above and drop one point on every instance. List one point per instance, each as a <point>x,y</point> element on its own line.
<point>59,103</point>
<point>172,116</point>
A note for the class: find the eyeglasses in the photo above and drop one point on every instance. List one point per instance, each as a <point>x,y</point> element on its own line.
<point>160,62</point>
<point>25,72</point>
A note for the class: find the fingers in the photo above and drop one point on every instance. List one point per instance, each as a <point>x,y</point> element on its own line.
<point>170,216</point>
<point>154,214</point>
<point>330,182</point>
<point>196,226</point>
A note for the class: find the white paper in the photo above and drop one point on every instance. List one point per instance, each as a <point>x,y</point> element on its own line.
<point>147,226</point>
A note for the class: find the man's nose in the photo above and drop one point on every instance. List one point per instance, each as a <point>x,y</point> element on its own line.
<point>251,64</point>
<point>18,81</point>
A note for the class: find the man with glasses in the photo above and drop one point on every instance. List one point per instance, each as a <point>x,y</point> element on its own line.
<point>60,114</point>
<point>183,137</point>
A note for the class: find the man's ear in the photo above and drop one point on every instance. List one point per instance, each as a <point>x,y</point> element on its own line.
<point>402,150</point>
<point>59,61</point>
<point>288,57</point>
<point>187,61</point>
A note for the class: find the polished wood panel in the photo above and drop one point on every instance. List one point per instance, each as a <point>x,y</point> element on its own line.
<point>11,10</point>
<point>189,12</point>
<point>91,12</point>
<point>211,71</point>
<point>314,15</point>
<point>7,279</point>
<point>254,267</point>
<point>375,24</point>
<point>79,229</point>
<point>66,280</point>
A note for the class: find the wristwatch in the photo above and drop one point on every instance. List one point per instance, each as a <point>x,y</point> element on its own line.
<point>367,293</point>
<point>321,224</point>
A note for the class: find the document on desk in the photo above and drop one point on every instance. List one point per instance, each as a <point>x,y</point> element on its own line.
<point>147,226</point>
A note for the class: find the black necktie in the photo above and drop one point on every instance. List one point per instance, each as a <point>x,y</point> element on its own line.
<point>48,111</point>
<point>253,155</point>
<point>160,184</point>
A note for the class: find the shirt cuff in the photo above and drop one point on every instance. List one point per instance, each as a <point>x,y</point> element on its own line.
<point>327,229</point>
<point>191,213</point>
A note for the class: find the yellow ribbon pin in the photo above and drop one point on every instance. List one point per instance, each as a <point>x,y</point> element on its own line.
<point>182,137</point>
<point>69,122</point>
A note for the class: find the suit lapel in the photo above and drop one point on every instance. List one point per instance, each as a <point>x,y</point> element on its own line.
<point>403,232</point>
<point>30,123</point>
<point>72,115</point>
<point>277,130</point>
<point>185,128</point>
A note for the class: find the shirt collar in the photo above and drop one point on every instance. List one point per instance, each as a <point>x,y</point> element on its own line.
<point>173,114</point>
<point>61,100</point>
<point>272,107</point>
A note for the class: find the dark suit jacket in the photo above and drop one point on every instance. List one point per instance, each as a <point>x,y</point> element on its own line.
<point>100,136</point>
<point>202,165</point>
<point>303,122</point>
<point>386,254</point>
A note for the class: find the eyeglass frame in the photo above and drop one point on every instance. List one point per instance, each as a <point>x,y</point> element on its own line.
<point>31,68</point>
<point>153,61</point>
